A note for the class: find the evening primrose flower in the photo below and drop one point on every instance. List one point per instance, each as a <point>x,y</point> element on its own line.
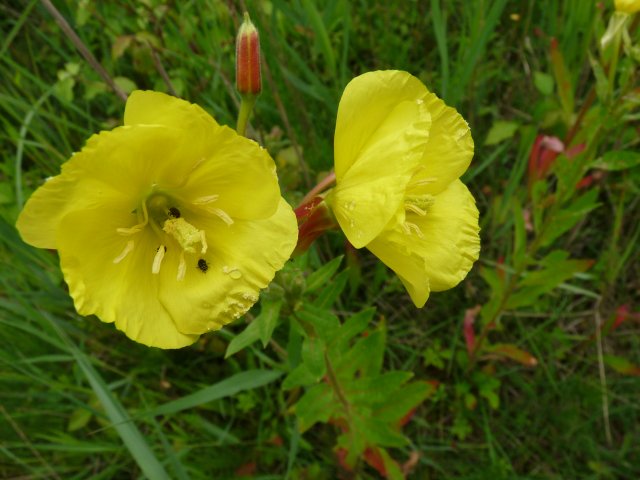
<point>168,226</point>
<point>399,153</point>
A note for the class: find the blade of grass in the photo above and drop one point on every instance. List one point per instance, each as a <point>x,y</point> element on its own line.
<point>129,433</point>
<point>229,386</point>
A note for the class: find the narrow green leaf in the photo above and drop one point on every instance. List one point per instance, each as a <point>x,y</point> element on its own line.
<point>321,277</point>
<point>248,380</point>
<point>245,338</point>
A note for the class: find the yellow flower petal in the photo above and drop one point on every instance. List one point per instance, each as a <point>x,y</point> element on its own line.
<point>445,247</point>
<point>449,150</point>
<point>155,108</point>
<point>240,172</point>
<point>125,292</point>
<point>241,260</point>
<point>409,267</point>
<point>381,132</point>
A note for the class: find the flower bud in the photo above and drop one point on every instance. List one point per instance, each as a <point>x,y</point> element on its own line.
<point>248,81</point>
<point>627,6</point>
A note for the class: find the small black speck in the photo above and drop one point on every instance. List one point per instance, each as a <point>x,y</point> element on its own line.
<point>165,249</point>
<point>174,212</point>
<point>203,265</point>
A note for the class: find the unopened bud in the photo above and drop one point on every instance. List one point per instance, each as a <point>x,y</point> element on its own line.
<point>248,81</point>
<point>627,6</point>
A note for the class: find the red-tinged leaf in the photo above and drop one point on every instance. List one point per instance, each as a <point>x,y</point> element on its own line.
<point>246,470</point>
<point>512,352</point>
<point>623,313</point>
<point>342,453</point>
<point>621,365</point>
<point>467,328</point>
<point>404,420</point>
<point>373,457</point>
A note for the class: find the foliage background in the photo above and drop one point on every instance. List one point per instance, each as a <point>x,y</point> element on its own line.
<point>79,400</point>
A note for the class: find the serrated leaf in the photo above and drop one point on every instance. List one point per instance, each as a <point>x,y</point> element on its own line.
<point>299,377</point>
<point>325,324</point>
<point>316,405</point>
<point>377,390</point>
<point>313,350</point>
<point>392,469</point>
<point>405,399</point>
<point>322,276</point>
<point>365,356</point>
<point>354,325</point>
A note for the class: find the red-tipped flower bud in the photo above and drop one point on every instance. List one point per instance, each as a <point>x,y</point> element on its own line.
<point>248,81</point>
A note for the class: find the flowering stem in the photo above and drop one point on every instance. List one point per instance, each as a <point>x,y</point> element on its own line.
<point>246,106</point>
<point>319,188</point>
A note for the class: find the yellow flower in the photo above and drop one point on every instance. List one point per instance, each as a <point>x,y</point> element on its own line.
<point>399,153</point>
<point>168,226</point>
<point>627,6</point>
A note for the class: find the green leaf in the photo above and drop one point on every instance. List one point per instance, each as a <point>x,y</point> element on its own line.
<point>316,405</point>
<point>354,325</point>
<point>330,293</point>
<point>501,131</point>
<point>325,324</point>
<point>300,376</point>
<point>556,268</point>
<point>617,160</point>
<point>240,382</point>
<point>245,338</point>
<point>313,350</point>
<point>365,356</point>
<point>621,365</point>
<point>566,218</point>
<point>543,82</point>
<point>322,276</point>
<point>268,319</point>
<point>391,467</point>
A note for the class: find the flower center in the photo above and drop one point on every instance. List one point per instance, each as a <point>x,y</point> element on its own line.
<point>162,213</point>
<point>416,204</point>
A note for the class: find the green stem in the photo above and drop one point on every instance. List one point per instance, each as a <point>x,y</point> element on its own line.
<point>246,106</point>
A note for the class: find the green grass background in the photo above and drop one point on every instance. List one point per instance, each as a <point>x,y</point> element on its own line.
<point>79,400</point>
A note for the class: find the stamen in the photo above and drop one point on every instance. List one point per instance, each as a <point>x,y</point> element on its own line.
<point>223,215</point>
<point>409,228</point>
<point>136,228</point>
<point>206,199</point>
<point>415,209</point>
<point>131,230</point>
<point>128,247</point>
<point>423,182</point>
<point>157,260</point>
<point>182,267</point>
<point>203,241</point>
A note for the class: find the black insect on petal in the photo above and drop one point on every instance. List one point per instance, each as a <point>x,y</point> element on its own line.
<point>174,212</point>
<point>203,265</point>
